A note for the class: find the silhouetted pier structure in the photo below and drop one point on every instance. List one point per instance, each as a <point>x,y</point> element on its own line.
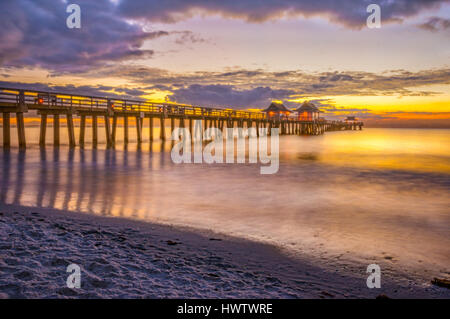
<point>57,105</point>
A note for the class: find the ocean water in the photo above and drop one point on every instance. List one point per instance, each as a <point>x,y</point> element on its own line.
<point>377,195</point>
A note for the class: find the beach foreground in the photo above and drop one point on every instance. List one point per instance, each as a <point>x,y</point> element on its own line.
<point>129,259</point>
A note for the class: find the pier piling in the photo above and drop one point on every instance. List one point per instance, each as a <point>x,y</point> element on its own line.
<point>162,128</point>
<point>151,128</point>
<point>94,131</point>
<point>71,130</point>
<point>139,129</point>
<point>6,130</point>
<point>109,142</point>
<point>82,129</point>
<point>114,130</point>
<point>125,129</point>
<point>56,129</point>
<point>43,129</point>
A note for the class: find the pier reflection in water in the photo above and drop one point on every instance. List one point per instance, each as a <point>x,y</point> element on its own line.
<point>104,182</point>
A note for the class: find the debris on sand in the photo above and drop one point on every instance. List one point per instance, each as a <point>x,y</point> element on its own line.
<point>445,283</point>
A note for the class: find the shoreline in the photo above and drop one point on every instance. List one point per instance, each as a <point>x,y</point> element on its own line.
<point>121,258</point>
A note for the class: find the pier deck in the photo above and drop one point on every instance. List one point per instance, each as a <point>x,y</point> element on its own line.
<point>57,104</point>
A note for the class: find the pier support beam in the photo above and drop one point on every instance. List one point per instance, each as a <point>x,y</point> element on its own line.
<point>82,129</point>
<point>172,125</point>
<point>43,129</point>
<point>21,129</point>
<point>151,128</point>
<point>162,129</point>
<point>71,130</point>
<point>125,129</point>
<point>94,131</point>
<point>109,142</point>
<point>182,122</point>
<point>56,129</point>
<point>114,130</point>
<point>6,130</point>
<point>205,127</point>
<point>139,129</point>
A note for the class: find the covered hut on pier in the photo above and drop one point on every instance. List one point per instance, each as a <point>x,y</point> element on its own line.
<point>308,112</point>
<point>351,119</point>
<point>277,110</point>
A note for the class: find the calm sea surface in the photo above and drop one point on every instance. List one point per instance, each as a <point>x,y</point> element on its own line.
<point>377,195</point>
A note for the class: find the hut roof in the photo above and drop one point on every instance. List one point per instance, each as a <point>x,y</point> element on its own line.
<point>307,107</point>
<point>277,107</point>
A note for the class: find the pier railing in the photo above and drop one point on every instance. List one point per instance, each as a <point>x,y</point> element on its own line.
<point>40,100</point>
<point>56,104</point>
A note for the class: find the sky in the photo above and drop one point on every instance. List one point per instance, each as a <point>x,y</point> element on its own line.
<point>240,54</point>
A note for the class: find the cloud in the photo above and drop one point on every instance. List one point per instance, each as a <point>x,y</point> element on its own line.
<point>187,37</point>
<point>88,90</point>
<point>34,33</point>
<point>351,13</point>
<point>203,95</point>
<point>228,96</point>
<point>300,83</point>
<point>435,24</point>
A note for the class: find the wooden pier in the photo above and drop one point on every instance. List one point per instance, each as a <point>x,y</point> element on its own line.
<point>57,105</point>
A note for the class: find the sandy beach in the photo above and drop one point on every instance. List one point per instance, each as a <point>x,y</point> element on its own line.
<point>129,259</point>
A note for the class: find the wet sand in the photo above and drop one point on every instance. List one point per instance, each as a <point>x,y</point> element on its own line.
<point>120,258</point>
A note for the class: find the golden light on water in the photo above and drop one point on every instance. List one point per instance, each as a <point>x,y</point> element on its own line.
<point>419,150</point>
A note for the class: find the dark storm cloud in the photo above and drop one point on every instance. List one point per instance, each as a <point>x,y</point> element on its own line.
<point>228,96</point>
<point>34,33</point>
<point>346,12</point>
